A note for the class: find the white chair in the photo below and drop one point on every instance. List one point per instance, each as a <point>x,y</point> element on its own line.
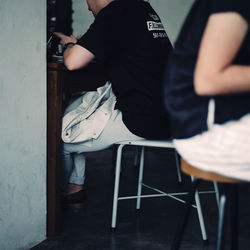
<point>158,193</point>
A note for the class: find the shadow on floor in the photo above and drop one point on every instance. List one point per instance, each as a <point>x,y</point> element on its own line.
<point>153,228</point>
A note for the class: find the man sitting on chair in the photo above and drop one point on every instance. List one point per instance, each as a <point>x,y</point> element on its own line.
<point>128,38</point>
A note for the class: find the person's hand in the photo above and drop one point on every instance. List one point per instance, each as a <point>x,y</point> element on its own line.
<point>65,39</point>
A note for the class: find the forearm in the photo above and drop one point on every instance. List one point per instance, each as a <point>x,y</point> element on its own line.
<point>66,56</point>
<point>215,72</point>
<point>67,51</point>
<point>76,57</point>
<point>232,79</point>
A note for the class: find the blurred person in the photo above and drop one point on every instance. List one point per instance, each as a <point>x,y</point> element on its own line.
<point>207,88</point>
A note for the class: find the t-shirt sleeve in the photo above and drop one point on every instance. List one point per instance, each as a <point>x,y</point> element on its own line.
<point>240,6</point>
<point>101,37</point>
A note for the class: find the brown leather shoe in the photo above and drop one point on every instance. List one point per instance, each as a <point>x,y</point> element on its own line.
<point>75,200</point>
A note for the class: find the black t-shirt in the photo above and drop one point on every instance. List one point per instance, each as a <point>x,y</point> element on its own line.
<point>187,109</point>
<point>128,38</point>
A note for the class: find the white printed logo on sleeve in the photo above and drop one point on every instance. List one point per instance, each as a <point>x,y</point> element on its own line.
<point>160,35</point>
<point>154,26</point>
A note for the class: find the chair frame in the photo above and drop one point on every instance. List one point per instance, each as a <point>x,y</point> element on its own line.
<point>159,193</point>
<point>228,199</point>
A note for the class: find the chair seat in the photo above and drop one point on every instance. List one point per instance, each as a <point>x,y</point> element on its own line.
<point>206,175</point>
<point>148,143</point>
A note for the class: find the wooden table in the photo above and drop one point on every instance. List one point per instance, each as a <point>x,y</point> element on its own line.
<point>61,81</point>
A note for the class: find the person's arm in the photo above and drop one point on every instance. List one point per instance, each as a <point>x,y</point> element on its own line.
<point>214,72</point>
<point>75,56</point>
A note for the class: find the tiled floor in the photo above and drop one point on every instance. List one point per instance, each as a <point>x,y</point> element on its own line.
<point>154,226</point>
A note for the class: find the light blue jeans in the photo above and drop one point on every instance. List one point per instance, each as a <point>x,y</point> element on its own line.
<point>73,157</point>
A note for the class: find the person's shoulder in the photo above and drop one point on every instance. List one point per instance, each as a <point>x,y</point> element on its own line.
<point>125,11</point>
<point>117,5</point>
<point>127,5</point>
<point>112,10</point>
<point>240,6</point>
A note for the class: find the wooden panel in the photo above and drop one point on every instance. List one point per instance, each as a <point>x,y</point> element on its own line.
<point>54,104</point>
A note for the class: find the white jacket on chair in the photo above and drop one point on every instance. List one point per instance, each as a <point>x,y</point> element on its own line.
<point>87,116</point>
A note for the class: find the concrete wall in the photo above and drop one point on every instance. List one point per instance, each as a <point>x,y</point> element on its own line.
<point>22,123</point>
<point>82,18</point>
<point>172,13</point>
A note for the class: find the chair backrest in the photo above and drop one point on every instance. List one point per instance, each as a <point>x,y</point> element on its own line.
<point>206,175</point>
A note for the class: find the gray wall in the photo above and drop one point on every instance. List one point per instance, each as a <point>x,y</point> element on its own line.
<point>172,13</point>
<point>22,123</point>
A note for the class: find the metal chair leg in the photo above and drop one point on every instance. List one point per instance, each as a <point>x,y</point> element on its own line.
<point>177,162</point>
<point>200,214</point>
<point>184,219</point>
<point>228,203</point>
<point>234,201</point>
<point>217,194</point>
<point>221,222</point>
<point>136,159</point>
<point>116,187</point>
<point>138,202</point>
